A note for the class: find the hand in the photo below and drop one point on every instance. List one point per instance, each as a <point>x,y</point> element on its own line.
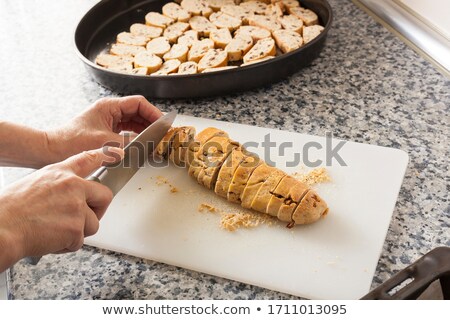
<point>100,125</point>
<point>53,209</point>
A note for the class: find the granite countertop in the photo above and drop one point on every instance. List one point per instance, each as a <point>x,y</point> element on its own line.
<point>366,86</point>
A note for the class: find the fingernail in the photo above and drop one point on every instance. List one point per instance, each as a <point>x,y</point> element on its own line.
<point>118,151</point>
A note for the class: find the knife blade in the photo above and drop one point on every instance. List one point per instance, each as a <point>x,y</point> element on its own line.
<point>117,175</point>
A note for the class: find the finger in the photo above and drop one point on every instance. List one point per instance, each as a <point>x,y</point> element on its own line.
<point>85,163</point>
<point>98,197</point>
<point>91,224</point>
<point>132,126</point>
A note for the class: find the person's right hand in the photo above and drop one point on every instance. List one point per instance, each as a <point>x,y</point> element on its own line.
<point>53,209</point>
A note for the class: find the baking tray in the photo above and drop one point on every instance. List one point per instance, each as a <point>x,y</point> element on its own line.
<point>100,25</point>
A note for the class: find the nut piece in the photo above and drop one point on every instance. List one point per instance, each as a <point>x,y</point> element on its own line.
<point>238,47</point>
<point>167,67</point>
<point>221,37</point>
<point>131,39</point>
<point>214,58</point>
<point>178,51</point>
<point>158,20</point>
<point>147,60</point>
<point>144,30</point>
<point>189,67</point>
<point>263,48</point>
<point>158,46</point>
<point>287,40</point>
<point>176,12</point>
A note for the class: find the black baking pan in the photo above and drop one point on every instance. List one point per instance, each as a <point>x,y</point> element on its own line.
<point>101,24</point>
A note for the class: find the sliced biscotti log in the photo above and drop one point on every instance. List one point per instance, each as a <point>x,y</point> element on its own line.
<point>120,49</point>
<point>216,5</point>
<point>257,61</point>
<point>199,49</point>
<point>182,139</point>
<point>261,200</point>
<point>221,37</point>
<point>228,169</point>
<point>279,195</point>
<point>163,148</point>
<point>311,32</point>
<point>131,39</point>
<point>188,38</point>
<point>202,25</point>
<point>176,12</point>
<point>188,67</point>
<point>194,147</point>
<point>263,48</point>
<point>158,46</point>
<point>219,69</point>
<point>309,17</point>
<point>238,47</point>
<point>255,32</point>
<point>223,20</point>
<point>110,60</point>
<point>238,12</point>
<point>310,209</point>
<point>254,183</point>
<point>291,22</point>
<point>158,20</point>
<point>144,30</point>
<point>170,66</point>
<point>178,52</point>
<point>147,60</point>
<point>296,193</point>
<point>287,40</point>
<point>266,22</point>
<point>241,176</point>
<point>214,153</point>
<point>174,31</point>
<point>255,7</point>
<point>214,58</point>
<point>197,7</point>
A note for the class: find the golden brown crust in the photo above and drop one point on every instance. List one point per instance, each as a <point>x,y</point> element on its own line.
<point>311,208</point>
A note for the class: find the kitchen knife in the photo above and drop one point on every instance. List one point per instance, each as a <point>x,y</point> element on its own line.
<point>116,176</point>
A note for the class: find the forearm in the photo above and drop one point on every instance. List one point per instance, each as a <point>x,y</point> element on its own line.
<point>22,146</point>
<point>10,239</point>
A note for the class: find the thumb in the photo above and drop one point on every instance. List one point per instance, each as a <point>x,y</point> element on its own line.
<point>86,162</point>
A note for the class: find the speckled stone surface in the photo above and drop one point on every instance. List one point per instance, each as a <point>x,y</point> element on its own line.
<point>366,86</point>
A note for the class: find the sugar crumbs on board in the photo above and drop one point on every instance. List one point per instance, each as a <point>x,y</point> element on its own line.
<point>315,176</point>
<point>160,180</point>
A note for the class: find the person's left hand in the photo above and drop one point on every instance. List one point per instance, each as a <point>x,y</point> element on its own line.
<point>100,125</point>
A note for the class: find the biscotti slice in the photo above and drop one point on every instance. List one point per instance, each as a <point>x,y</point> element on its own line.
<point>263,48</point>
<point>202,25</point>
<point>238,47</point>
<point>205,153</point>
<point>139,71</point>
<point>144,30</point>
<point>147,60</point>
<point>290,3</point>
<point>214,58</point>
<point>254,183</point>
<point>291,22</point>
<point>199,49</point>
<point>223,20</point>
<point>176,12</point>
<point>275,9</point>
<point>287,40</point>
<point>189,67</point>
<point>309,17</point>
<point>227,171</point>
<point>257,61</point>
<point>197,7</point>
<point>110,60</point>
<point>122,68</point>
<point>240,178</point>
<point>175,30</point>
<point>221,37</point>
<point>280,195</point>
<point>170,66</point>
<point>219,69</point>
<point>262,198</point>
<point>256,7</point>
<point>188,38</point>
<point>132,39</point>
<point>216,5</point>
<point>293,198</point>
<point>238,12</point>
<point>158,46</point>
<point>157,19</point>
<point>180,143</point>
<point>310,209</point>
<point>255,32</point>
<point>178,52</point>
<point>266,22</point>
<point>194,146</point>
<point>120,49</point>
<point>311,32</point>
<point>215,151</point>
<point>163,148</point>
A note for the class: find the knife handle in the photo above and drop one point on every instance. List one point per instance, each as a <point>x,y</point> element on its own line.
<point>93,178</point>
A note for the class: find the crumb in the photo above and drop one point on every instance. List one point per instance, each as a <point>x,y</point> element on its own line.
<point>204,206</point>
<point>160,180</point>
<point>139,188</point>
<point>173,189</point>
<point>315,176</point>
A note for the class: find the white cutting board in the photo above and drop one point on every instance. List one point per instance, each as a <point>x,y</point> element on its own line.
<point>334,258</point>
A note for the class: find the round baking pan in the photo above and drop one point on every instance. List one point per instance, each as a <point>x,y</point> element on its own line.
<point>101,24</point>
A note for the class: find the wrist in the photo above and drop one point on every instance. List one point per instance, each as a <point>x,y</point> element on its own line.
<point>11,244</point>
